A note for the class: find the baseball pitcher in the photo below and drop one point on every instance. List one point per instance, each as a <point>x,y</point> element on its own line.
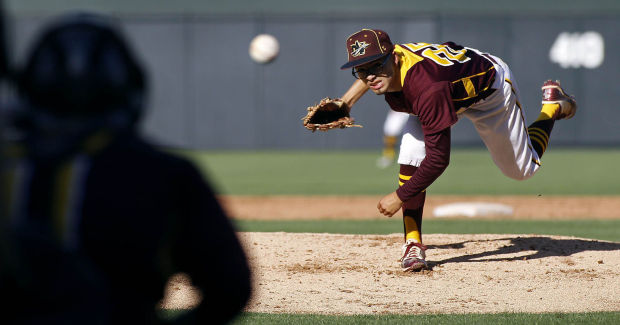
<point>439,84</point>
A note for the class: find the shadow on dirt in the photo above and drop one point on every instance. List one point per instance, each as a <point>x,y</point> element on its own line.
<point>543,247</point>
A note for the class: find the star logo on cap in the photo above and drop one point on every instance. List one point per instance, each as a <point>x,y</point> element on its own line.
<point>359,48</point>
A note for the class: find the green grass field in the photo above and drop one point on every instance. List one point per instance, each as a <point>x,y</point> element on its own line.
<point>471,172</point>
<point>593,229</point>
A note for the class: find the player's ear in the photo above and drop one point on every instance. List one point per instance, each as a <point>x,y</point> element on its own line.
<point>395,62</point>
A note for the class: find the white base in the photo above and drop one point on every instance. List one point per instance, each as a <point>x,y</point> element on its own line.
<point>472,209</point>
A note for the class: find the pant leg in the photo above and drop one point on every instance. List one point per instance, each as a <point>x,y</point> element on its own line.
<point>394,123</point>
<point>500,122</point>
<point>412,150</point>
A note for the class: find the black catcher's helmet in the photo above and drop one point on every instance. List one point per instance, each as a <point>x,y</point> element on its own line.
<point>82,66</point>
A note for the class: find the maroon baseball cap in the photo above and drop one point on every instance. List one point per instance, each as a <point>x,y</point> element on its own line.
<point>367,45</point>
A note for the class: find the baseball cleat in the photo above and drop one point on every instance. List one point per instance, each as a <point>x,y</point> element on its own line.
<point>554,94</point>
<point>413,256</point>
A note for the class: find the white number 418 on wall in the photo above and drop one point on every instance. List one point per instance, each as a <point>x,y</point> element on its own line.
<point>576,50</point>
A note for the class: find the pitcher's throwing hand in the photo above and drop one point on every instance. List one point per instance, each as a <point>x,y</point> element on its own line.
<point>389,204</point>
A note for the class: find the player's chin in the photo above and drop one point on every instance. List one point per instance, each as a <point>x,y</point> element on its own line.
<point>379,91</point>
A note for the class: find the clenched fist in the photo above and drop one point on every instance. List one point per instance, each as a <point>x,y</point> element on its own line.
<point>389,204</point>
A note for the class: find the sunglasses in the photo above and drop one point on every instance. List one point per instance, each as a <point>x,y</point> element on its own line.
<point>375,69</point>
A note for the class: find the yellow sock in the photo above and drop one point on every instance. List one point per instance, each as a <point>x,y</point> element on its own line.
<point>389,153</point>
<point>389,144</point>
<point>411,230</point>
<point>547,111</point>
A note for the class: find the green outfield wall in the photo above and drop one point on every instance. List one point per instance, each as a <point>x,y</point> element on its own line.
<point>206,92</point>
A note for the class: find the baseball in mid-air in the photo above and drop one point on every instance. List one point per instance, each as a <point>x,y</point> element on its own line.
<point>264,48</point>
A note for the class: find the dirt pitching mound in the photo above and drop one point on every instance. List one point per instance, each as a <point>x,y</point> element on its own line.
<point>360,274</point>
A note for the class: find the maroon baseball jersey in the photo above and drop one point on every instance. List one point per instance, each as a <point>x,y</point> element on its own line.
<point>440,80</point>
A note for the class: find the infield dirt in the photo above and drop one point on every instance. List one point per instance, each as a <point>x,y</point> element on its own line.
<point>364,207</point>
<point>360,274</point>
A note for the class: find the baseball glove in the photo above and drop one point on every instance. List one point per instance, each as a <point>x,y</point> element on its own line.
<point>328,114</point>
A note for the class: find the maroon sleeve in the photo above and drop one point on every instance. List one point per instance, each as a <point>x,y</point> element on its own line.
<point>397,102</point>
<point>434,108</point>
<point>436,160</point>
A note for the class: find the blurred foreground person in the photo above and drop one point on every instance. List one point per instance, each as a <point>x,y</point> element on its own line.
<point>100,218</point>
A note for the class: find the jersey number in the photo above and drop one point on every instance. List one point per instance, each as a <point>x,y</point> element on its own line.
<point>441,54</point>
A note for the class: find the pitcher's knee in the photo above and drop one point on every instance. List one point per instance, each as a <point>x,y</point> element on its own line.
<point>520,174</point>
<point>521,177</point>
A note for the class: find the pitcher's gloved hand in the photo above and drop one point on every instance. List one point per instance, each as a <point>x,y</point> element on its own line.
<point>328,114</point>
